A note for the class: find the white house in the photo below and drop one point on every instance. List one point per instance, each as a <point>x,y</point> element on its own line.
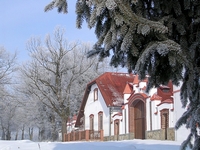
<point>102,99</point>
<point>117,104</point>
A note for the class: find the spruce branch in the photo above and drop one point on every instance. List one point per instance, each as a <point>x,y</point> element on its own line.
<point>60,4</point>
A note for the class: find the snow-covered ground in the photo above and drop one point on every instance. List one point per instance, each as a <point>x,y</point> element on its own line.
<point>112,145</point>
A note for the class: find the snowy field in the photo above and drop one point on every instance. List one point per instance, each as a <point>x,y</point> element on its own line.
<point>118,145</point>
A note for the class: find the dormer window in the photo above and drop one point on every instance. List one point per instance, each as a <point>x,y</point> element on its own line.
<point>95,94</point>
<point>165,90</point>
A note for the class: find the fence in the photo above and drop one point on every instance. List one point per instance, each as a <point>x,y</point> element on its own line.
<point>87,135</point>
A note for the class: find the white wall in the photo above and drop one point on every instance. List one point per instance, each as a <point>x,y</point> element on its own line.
<point>155,115</point>
<point>94,107</point>
<point>154,118</point>
<point>125,116</point>
<point>125,120</point>
<point>182,133</point>
<point>148,113</point>
<point>126,96</point>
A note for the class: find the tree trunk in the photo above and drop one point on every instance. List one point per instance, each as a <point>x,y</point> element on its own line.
<point>30,131</point>
<point>8,133</point>
<point>64,129</point>
<point>3,136</point>
<point>54,134</point>
<point>22,133</point>
<point>53,129</point>
<point>41,135</point>
<point>16,135</point>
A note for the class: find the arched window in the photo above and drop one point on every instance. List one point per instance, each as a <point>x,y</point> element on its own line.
<point>95,94</point>
<point>100,120</point>
<point>91,122</point>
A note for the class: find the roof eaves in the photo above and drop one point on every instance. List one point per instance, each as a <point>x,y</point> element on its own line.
<point>83,103</point>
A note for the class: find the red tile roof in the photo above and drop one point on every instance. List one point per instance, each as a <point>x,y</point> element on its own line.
<point>155,97</point>
<point>168,101</point>
<point>136,95</point>
<point>123,106</point>
<point>117,114</point>
<point>111,86</point>
<point>176,91</point>
<point>128,88</point>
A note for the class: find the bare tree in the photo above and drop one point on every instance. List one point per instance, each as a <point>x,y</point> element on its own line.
<point>7,108</point>
<point>7,113</point>
<point>7,66</point>
<point>58,72</point>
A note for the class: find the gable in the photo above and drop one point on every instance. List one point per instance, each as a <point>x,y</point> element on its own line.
<point>111,86</point>
<point>128,88</point>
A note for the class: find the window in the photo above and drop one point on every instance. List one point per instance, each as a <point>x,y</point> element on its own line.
<point>95,94</point>
<point>91,122</point>
<point>165,90</point>
<point>165,122</point>
<point>100,119</point>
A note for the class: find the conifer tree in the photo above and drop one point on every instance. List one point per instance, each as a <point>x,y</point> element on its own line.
<point>160,38</point>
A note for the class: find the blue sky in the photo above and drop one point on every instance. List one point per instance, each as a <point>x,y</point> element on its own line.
<point>23,19</point>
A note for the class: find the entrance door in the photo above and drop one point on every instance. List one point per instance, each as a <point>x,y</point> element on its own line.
<point>116,128</point>
<point>139,119</point>
<point>165,121</point>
